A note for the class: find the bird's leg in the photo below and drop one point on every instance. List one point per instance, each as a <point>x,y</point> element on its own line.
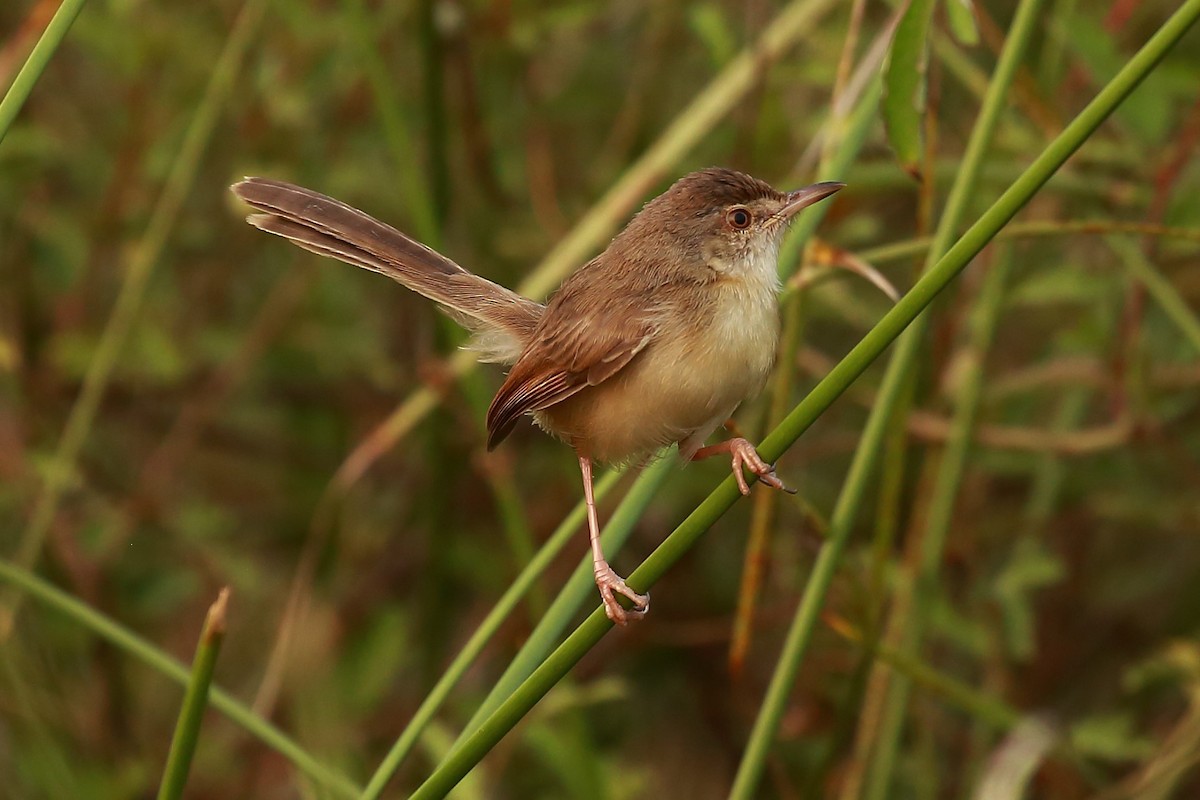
<point>744,455</point>
<point>608,582</point>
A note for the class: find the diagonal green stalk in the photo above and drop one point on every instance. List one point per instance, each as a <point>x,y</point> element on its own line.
<point>35,65</point>
<point>195,701</point>
<point>580,587</point>
<point>908,616</point>
<point>851,134</point>
<point>565,533</point>
<point>995,97</point>
<point>132,644</point>
<point>870,446</point>
<point>443,779</point>
<point>125,312</point>
<point>546,634</point>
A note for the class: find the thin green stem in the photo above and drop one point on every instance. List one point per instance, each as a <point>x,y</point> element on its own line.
<point>409,177</point>
<point>908,622</point>
<point>869,448</point>
<point>450,771</point>
<point>897,251</point>
<point>566,531</point>
<point>129,642</point>
<point>578,589</point>
<point>195,701</point>
<point>125,312</point>
<point>1166,295</point>
<point>22,86</point>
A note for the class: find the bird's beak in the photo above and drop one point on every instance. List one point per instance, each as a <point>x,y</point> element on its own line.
<point>803,198</point>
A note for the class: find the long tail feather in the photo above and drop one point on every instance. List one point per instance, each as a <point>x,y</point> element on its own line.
<point>501,319</point>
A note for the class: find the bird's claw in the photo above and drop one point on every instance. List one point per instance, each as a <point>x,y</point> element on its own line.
<point>744,455</point>
<point>610,585</point>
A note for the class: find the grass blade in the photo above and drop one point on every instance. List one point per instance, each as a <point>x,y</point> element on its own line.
<point>133,289</point>
<point>35,65</point>
<point>132,644</point>
<point>566,532</point>
<point>195,701</point>
<point>904,98</point>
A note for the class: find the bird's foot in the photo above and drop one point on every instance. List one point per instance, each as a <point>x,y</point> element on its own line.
<point>744,455</point>
<point>610,585</point>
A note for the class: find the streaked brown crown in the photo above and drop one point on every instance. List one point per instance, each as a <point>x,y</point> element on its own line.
<point>717,187</point>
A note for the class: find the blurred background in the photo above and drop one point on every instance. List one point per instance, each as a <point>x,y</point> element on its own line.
<point>300,431</point>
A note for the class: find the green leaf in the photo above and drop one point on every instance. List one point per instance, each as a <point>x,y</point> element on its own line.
<point>710,26</point>
<point>1111,737</point>
<point>374,658</point>
<point>1068,284</point>
<point>1031,567</point>
<point>904,84</point>
<point>960,15</point>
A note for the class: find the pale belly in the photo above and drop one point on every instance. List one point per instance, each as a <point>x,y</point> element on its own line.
<point>679,389</point>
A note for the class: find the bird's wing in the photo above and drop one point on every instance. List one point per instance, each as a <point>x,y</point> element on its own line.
<point>579,346</point>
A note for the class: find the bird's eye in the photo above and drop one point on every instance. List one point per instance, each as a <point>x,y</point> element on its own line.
<point>738,218</point>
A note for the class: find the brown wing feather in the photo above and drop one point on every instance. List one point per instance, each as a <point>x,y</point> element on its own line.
<point>556,368</point>
<point>601,318</point>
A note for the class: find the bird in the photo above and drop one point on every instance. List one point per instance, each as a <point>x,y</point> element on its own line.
<point>652,343</point>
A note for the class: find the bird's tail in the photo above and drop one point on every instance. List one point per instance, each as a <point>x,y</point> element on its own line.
<point>501,320</point>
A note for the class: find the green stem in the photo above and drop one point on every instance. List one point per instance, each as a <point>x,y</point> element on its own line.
<point>35,65</point>
<point>878,770</point>
<point>907,624</point>
<point>125,312</point>
<point>450,771</point>
<point>195,700</point>
<point>578,589</point>
<point>1166,295</point>
<point>128,641</point>
<point>565,532</point>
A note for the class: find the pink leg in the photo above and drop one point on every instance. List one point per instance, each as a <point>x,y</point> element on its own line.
<point>744,455</point>
<point>608,582</point>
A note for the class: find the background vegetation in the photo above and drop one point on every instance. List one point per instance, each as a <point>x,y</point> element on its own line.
<point>187,404</point>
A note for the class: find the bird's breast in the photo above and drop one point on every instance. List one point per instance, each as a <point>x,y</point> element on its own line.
<point>706,359</point>
<point>736,349</point>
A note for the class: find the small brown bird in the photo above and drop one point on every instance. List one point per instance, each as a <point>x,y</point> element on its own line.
<point>653,342</point>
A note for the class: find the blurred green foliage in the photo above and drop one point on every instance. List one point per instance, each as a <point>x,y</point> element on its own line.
<point>252,371</point>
